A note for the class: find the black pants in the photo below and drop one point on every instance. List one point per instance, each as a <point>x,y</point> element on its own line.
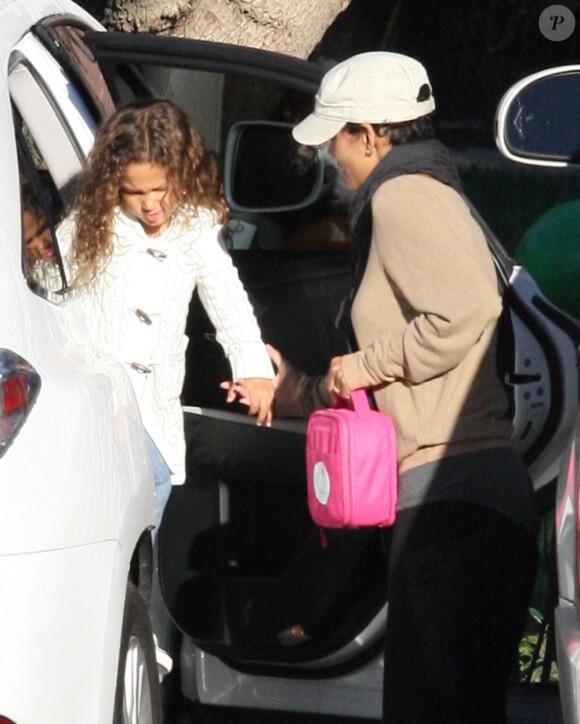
<point>460,580</point>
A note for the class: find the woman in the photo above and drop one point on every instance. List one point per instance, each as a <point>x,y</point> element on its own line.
<point>424,314</point>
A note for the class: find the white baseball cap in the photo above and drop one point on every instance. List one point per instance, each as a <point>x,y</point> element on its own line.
<point>374,87</point>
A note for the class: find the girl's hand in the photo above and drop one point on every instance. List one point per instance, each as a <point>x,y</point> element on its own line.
<point>236,390</point>
<point>255,392</point>
<point>261,397</point>
<point>335,381</point>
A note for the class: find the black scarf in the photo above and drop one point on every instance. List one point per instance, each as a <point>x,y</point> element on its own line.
<point>429,157</point>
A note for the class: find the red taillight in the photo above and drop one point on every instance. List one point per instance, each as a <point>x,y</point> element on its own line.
<point>19,386</point>
<point>14,396</point>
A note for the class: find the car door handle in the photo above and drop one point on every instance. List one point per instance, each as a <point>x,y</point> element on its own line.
<point>521,379</point>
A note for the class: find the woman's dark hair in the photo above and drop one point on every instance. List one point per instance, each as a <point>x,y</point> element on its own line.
<point>419,129</point>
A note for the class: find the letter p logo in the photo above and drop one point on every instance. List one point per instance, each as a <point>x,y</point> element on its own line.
<point>557,22</point>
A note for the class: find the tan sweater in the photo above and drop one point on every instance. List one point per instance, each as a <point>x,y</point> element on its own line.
<point>425,318</point>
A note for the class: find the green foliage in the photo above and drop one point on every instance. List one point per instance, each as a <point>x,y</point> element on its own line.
<point>537,655</point>
<point>536,658</point>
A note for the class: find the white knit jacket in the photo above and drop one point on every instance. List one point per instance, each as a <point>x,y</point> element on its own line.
<point>136,312</point>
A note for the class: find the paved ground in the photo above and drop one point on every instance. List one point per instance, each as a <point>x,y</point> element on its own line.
<point>528,704</point>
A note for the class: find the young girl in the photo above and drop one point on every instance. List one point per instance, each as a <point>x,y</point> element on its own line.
<point>144,234</point>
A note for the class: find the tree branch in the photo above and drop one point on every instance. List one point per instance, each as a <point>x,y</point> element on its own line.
<point>288,27</point>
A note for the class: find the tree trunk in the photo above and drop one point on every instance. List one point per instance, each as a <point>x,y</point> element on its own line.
<point>293,27</point>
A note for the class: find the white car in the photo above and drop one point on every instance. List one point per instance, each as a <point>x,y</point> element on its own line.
<point>76,493</point>
<point>538,123</point>
<point>239,559</point>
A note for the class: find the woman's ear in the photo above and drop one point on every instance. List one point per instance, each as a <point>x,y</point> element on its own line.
<point>368,133</point>
<point>369,138</point>
<point>378,142</point>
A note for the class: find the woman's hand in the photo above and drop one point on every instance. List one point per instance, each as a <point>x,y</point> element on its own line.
<point>256,393</point>
<point>335,381</point>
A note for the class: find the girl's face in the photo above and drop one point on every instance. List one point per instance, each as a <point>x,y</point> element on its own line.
<point>39,246</point>
<point>146,194</point>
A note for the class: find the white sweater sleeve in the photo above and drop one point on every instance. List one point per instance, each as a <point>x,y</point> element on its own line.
<point>229,309</point>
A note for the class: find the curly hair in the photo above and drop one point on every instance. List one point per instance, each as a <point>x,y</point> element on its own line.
<point>30,199</point>
<point>152,131</point>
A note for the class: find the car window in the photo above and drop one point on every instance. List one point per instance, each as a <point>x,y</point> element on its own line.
<point>58,97</point>
<point>41,208</point>
<point>215,101</point>
<point>218,101</point>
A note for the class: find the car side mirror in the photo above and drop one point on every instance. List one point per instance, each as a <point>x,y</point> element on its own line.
<point>267,171</point>
<point>537,119</point>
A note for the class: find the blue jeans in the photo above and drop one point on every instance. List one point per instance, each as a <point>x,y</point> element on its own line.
<point>162,477</point>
